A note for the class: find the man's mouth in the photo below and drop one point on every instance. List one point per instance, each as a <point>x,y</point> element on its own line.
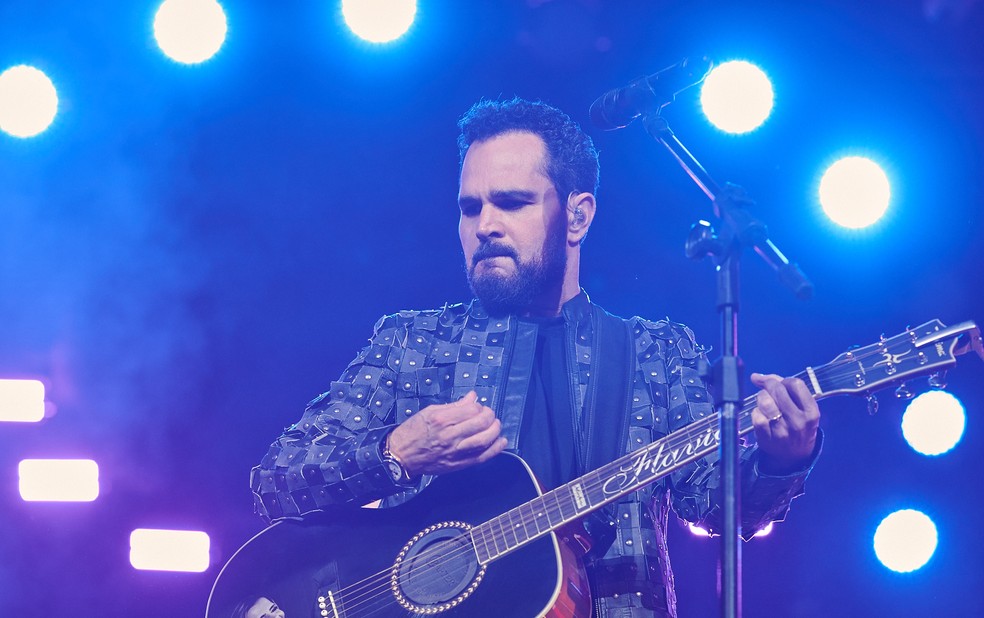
<point>491,253</point>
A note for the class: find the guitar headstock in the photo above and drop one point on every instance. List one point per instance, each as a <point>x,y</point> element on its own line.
<point>928,349</point>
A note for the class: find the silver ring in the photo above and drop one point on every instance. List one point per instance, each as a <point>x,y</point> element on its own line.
<point>776,418</point>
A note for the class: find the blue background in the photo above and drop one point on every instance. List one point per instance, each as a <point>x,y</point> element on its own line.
<point>189,254</point>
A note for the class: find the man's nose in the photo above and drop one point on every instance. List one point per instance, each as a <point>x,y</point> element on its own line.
<point>489,223</point>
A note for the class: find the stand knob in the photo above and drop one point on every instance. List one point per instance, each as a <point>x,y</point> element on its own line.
<point>702,241</point>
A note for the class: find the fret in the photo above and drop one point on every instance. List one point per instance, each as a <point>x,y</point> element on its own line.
<point>528,516</point>
<point>565,503</point>
<point>551,509</point>
<point>506,532</point>
<point>540,517</point>
<point>495,535</point>
<point>519,532</point>
<point>592,483</point>
<point>480,541</point>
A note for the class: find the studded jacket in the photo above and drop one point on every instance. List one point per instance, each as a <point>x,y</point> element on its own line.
<point>417,358</point>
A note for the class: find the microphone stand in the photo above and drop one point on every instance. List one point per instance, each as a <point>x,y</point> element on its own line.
<point>739,230</point>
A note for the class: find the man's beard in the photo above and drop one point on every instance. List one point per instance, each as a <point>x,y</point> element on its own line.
<point>502,294</point>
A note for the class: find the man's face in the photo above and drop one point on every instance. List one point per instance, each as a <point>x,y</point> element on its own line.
<point>264,608</point>
<point>512,226</point>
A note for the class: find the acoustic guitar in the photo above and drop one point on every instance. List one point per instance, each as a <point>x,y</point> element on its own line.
<point>485,541</point>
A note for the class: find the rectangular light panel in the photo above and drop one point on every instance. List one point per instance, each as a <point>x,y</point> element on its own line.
<point>58,480</point>
<point>169,550</point>
<point>21,401</point>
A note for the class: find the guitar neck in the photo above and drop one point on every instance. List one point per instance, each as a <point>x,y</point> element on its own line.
<point>590,492</point>
<point>927,349</point>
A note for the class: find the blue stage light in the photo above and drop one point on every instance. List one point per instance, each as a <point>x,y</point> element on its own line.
<point>905,540</point>
<point>933,422</point>
<point>379,21</point>
<point>855,192</point>
<point>190,31</point>
<point>28,101</point>
<point>737,96</point>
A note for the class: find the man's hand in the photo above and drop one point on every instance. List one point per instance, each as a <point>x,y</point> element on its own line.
<point>447,437</point>
<point>786,418</point>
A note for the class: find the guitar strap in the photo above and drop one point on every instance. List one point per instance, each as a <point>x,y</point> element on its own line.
<point>606,413</point>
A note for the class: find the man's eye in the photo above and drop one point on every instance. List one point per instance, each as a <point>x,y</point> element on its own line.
<point>469,209</point>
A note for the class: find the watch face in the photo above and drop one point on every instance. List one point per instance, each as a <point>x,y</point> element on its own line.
<point>395,470</point>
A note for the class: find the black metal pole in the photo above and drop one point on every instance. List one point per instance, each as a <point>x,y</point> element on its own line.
<point>728,386</point>
<point>727,378</point>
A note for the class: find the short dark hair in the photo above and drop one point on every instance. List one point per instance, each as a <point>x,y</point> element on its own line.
<point>572,159</point>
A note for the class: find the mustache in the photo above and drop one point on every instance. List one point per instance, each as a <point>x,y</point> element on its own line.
<point>493,249</point>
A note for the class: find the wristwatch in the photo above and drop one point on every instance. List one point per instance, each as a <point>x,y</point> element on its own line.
<point>394,466</point>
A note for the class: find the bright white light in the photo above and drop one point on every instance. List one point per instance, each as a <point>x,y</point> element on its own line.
<point>169,550</point>
<point>58,480</point>
<point>905,540</point>
<point>28,101</point>
<point>190,31</point>
<point>855,192</point>
<point>736,96</point>
<point>933,422</point>
<point>21,401</point>
<point>379,21</point>
<point>767,530</point>
<point>697,530</point>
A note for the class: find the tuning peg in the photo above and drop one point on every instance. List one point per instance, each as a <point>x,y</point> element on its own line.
<point>872,405</point>
<point>938,380</point>
<point>903,392</point>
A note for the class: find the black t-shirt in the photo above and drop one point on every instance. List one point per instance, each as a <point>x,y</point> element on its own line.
<point>546,438</point>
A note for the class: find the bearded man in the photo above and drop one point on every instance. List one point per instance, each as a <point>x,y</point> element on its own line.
<point>532,367</point>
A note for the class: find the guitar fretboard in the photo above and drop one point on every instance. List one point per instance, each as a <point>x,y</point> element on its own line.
<point>527,522</point>
<point>926,349</point>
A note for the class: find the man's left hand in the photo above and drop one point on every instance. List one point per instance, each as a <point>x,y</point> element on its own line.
<point>786,418</point>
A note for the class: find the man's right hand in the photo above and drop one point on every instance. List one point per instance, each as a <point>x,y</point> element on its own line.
<point>447,437</point>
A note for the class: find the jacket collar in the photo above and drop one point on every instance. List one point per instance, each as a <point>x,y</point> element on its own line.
<point>574,310</point>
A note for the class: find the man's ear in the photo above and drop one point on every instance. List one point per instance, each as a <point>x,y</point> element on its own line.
<point>580,214</point>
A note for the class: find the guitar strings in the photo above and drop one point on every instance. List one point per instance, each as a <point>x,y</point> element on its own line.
<point>363,591</point>
<point>355,595</point>
<point>360,592</point>
<point>368,589</point>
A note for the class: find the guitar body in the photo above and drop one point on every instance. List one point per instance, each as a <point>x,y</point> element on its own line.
<point>376,563</point>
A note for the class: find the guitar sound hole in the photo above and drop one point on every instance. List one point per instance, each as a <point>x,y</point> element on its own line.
<point>437,568</point>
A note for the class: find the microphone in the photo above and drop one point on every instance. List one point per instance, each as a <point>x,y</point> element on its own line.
<point>617,108</point>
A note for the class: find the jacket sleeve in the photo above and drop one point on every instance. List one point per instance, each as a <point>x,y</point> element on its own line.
<point>332,455</point>
<point>695,490</point>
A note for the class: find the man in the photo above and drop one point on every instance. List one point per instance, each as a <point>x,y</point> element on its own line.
<point>438,391</point>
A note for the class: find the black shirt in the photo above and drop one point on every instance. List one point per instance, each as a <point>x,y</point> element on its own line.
<point>547,434</point>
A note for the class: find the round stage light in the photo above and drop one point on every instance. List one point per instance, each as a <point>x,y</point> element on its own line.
<point>905,540</point>
<point>737,96</point>
<point>933,422</point>
<point>379,21</point>
<point>855,192</point>
<point>28,101</point>
<point>190,31</point>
